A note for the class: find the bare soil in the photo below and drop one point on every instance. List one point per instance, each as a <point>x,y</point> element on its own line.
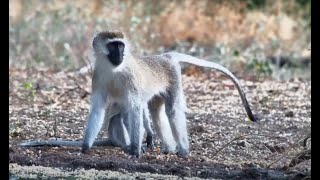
<point>44,104</point>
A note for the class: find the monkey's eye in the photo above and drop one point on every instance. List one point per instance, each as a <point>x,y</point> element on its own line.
<point>121,46</point>
<point>110,46</point>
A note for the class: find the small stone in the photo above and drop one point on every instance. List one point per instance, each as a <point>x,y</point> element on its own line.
<point>289,114</point>
<point>265,111</point>
<point>242,144</point>
<point>197,129</point>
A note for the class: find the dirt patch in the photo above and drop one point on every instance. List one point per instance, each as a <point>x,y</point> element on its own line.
<point>36,172</point>
<point>224,143</point>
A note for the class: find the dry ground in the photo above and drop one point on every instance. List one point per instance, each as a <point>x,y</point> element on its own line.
<point>224,143</point>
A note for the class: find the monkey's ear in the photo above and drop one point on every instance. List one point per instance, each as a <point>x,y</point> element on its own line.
<point>94,42</point>
<point>97,44</point>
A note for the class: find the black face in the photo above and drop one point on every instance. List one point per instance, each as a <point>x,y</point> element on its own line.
<point>115,49</point>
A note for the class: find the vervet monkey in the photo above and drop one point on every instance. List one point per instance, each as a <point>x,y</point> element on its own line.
<point>133,82</point>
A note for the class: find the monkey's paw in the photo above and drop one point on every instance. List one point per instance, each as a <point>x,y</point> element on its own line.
<point>183,153</point>
<point>135,151</point>
<point>85,149</point>
<point>166,149</point>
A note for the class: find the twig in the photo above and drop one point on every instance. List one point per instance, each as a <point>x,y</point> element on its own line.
<point>228,143</point>
<point>287,151</point>
<point>302,156</point>
<point>77,84</point>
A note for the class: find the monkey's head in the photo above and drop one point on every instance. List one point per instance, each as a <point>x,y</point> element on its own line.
<point>110,46</point>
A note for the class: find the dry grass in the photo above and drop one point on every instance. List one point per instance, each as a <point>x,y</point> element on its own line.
<point>57,33</point>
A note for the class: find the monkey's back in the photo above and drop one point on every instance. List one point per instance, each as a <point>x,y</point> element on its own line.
<point>157,72</point>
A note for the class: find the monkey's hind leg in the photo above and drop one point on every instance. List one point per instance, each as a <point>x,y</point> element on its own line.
<point>162,126</point>
<point>118,134</point>
<point>175,110</point>
<point>117,131</point>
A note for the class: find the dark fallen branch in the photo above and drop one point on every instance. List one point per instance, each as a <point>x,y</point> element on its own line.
<point>59,143</point>
<point>53,143</point>
<point>302,156</point>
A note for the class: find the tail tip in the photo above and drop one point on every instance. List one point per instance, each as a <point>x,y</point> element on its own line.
<point>255,118</point>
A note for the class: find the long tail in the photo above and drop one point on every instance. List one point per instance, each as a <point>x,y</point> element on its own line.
<point>105,142</point>
<point>200,62</point>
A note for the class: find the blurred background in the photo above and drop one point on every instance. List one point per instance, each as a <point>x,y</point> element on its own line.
<point>252,37</point>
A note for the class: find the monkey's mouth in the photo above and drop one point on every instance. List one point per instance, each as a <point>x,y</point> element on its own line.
<point>115,60</point>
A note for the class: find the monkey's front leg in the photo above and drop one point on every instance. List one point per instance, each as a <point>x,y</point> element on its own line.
<point>136,130</point>
<point>95,120</point>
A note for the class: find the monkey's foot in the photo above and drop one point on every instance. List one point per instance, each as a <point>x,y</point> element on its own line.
<point>166,149</point>
<point>135,150</point>
<point>183,153</point>
<point>135,156</point>
<point>85,149</point>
